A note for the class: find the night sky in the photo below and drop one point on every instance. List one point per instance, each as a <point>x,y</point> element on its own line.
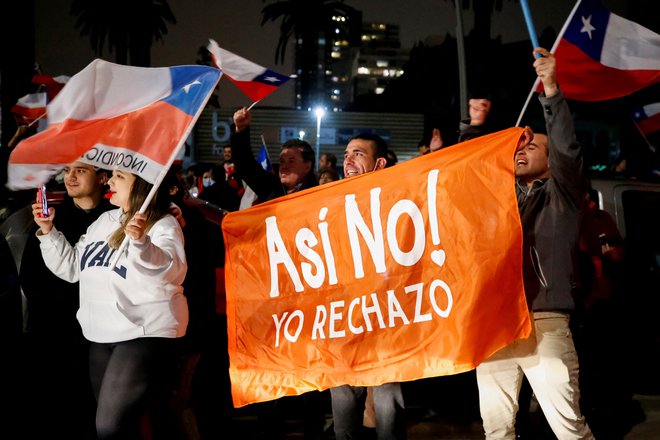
<point>235,25</point>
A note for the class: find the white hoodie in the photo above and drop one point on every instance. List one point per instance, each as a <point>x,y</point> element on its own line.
<point>141,297</point>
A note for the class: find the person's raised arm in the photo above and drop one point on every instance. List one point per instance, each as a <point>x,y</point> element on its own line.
<point>242,119</point>
<point>546,70</point>
<point>479,109</point>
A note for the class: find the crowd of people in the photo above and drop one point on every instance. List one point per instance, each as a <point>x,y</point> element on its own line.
<point>124,311</point>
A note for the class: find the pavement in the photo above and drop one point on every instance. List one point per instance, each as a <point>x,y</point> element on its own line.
<point>448,409</point>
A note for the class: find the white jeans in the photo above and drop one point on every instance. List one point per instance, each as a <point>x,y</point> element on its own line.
<point>549,361</point>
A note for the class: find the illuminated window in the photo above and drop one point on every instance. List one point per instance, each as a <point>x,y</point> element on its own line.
<point>335,54</point>
<point>363,71</point>
<point>382,63</point>
<point>379,90</point>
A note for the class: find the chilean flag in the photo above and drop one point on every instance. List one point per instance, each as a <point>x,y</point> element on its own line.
<point>254,80</point>
<point>53,84</point>
<point>647,118</point>
<point>116,117</point>
<point>603,56</point>
<point>30,107</point>
<point>263,158</point>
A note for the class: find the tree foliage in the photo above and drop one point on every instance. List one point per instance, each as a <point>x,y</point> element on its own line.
<point>128,27</point>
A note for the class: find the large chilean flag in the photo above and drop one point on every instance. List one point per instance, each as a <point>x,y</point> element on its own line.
<point>115,117</point>
<point>604,56</point>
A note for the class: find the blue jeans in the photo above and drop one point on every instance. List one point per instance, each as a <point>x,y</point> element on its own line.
<point>348,410</point>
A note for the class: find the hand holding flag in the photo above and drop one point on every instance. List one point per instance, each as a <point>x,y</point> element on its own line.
<point>603,56</point>
<point>254,80</point>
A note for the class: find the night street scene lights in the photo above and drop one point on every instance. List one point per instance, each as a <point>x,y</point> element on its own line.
<point>319,112</point>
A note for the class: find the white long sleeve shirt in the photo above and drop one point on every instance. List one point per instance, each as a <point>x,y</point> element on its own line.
<point>141,297</point>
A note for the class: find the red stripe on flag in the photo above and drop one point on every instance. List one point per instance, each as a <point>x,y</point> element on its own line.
<point>584,79</point>
<point>650,124</point>
<point>253,89</point>
<point>65,142</point>
<point>28,112</point>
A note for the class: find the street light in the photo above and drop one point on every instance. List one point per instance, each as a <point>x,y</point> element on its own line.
<point>319,111</point>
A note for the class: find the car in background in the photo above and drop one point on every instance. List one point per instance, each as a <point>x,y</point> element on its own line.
<point>635,207</point>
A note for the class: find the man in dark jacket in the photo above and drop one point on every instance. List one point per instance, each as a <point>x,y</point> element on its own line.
<point>296,165</point>
<point>295,173</point>
<point>56,351</point>
<point>550,189</point>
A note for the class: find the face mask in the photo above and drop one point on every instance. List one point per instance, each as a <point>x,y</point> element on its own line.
<point>207,181</point>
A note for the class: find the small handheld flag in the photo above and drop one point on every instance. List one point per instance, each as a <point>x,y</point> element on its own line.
<point>647,118</point>
<point>30,108</point>
<point>254,80</point>
<point>263,158</point>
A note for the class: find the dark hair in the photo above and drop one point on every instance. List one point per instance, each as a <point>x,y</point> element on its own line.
<point>218,172</point>
<point>391,158</point>
<point>381,146</point>
<point>334,175</point>
<point>331,158</point>
<point>306,150</point>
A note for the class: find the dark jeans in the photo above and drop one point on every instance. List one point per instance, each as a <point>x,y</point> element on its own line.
<point>128,378</point>
<point>348,411</point>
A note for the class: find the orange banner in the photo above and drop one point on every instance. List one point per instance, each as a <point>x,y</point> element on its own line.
<point>409,272</point>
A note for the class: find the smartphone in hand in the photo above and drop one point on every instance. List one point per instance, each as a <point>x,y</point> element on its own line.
<point>42,198</point>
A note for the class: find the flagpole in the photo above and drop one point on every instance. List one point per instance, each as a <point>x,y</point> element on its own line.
<point>252,105</point>
<point>32,123</point>
<point>530,24</point>
<point>263,142</point>
<point>462,69</point>
<point>651,147</point>
<point>554,47</point>
<point>164,170</point>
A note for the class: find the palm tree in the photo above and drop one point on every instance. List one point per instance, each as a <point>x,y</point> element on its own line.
<point>128,26</point>
<point>310,23</point>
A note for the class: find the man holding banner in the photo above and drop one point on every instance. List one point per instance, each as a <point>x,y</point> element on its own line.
<point>295,173</point>
<point>550,188</point>
<point>365,153</point>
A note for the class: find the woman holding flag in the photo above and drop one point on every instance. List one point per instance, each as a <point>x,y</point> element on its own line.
<point>132,311</point>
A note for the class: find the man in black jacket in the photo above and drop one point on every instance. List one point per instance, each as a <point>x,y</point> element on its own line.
<point>56,351</point>
<point>295,173</point>
<point>296,165</point>
<point>550,189</point>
